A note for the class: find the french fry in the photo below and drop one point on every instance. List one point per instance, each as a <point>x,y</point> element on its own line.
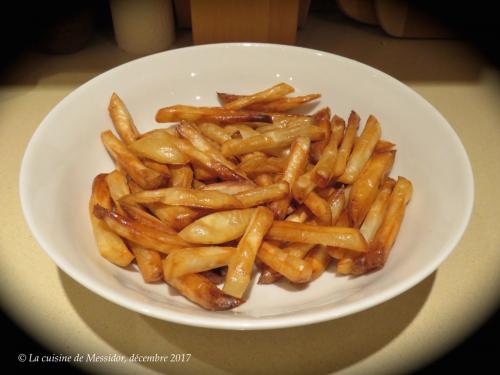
<point>241,263</point>
<point>278,105</point>
<point>383,146</point>
<point>240,131</point>
<point>365,188</point>
<point>322,120</point>
<point>383,241</point>
<point>202,173</point>
<point>159,145</point>
<point>200,290</point>
<point>143,217</point>
<point>110,245</point>
<point>323,170</point>
<point>272,93</point>
<point>186,197</point>
<point>149,263</point>
<point>303,186</point>
<point>122,120</point>
<point>209,114</point>
<point>196,259</point>
<point>218,227</point>
<point>144,176</point>
<point>118,187</point>
<point>294,269</point>
<point>271,140</point>
<point>263,164</point>
<point>337,203</point>
<point>362,151</point>
<point>300,215</point>
<point>296,164</point>
<point>214,132</point>
<point>349,238</point>
<point>319,259</point>
<point>319,208</point>
<point>346,145</point>
<point>264,194</point>
<point>264,179</point>
<point>216,275</point>
<point>176,217</point>
<point>181,176</point>
<point>230,187</point>
<point>141,234</point>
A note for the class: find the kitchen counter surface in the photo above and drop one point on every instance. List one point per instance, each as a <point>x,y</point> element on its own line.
<point>399,335</point>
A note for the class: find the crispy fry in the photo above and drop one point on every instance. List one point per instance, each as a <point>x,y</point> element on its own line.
<point>300,215</point>
<point>214,132</point>
<point>349,238</point>
<point>240,131</point>
<point>200,290</point>
<point>297,161</point>
<point>187,197</point>
<point>277,105</point>
<point>230,187</point>
<point>260,195</point>
<point>118,187</point>
<point>294,269</point>
<point>141,234</point>
<point>322,120</point>
<point>271,93</point>
<point>337,202</point>
<point>383,146</point>
<point>346,145</point>
<point>319,259</point>
<point>158,167</point>
<point>262,164</point>
<point>241,263</point>
<point>209,114</point>
<point>362,151</point>
<point>176,217</point>
<point>122,120</point>
<point>196,259</point>
<point>365,188</point>
<point>319,208</point>
<point>143,217</point>
<point>149,262</point>
<point>219,227</point>
<point>181,176</point>
<point>264,179</point>
<point>271,140</point>
<point>144,176</point>
<point>110,245</point>
<point>160,146</point>
<point>303,186</point>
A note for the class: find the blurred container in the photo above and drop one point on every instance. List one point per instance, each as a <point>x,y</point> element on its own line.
<point>143,27</point>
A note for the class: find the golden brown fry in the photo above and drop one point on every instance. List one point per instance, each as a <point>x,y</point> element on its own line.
<point>158,167</point>
<point>319,208</point>
<point>262,164</point>
<point>264,179</point>
<point>209,114</point>
<point>277,105</point>
<point>241,263</point>
<point>200,290</point>
<point>365,188</point>
<point>218,227</point>
<point>303,186</point>
<point>337,202</point>
<point>384,239</point>
<point>323,170</point>
<point>202,173</point>
<point>260,195</point>
<point>383,146</point>
<point>300,215</point>
<point>294,269</point>
<point>122,120</point>
<point>143,217</point>
<point>296,164</point>
<point>349,238</point>
<point>141,234</point>
<point>149,262</point>
<point>181,176</point>
<point>281,121</point>
<point>346,145</point>
<point>362,151</point>
<point>240,131</point>
<point>230,187</point>
<point>196,259</point>
<point>144,176</point>
<point>176,217</point>
<point>118,187</point>
<point>186,197</point>
<point>271,140</point>
<point>319,259</point>
<point>214,132</point>
<point>272,93</point>
<point>160,146</point>
<point>110,245</point>
<point>322,120</point>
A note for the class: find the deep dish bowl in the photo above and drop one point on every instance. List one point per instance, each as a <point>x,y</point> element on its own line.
<point>65,153</point>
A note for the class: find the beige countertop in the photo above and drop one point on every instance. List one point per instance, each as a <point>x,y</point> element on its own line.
<point>401,334</point>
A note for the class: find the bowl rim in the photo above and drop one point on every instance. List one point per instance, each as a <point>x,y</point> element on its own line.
<point>220,321</point>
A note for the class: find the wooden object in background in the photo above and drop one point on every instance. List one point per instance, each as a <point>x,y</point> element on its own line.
<point>183,13</point>
<point>359,10</point>
<point>272,21</point>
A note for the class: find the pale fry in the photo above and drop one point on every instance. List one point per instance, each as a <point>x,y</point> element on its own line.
<point>349,238</point>
<point>200,290</point>
<point>294,269</point>
<point>365,188</point>
<point>122,120</point>
<point>144,176</point>
<point>209,114</point>
<point>241,263</point>
<point>272,93</point>
<point>196,259</point>
<point>186,197</point>
<point>362,151</point>
<point>110,245</point>
<point>218,227</point>
<point>346,145</point>
<point>264,194</point>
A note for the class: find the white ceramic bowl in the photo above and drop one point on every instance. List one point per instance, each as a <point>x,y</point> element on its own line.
<point>65,154</point>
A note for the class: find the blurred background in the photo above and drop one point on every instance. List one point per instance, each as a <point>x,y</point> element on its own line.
<point>389,35</point>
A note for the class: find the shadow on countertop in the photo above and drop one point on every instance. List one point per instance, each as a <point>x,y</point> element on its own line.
<point>314,349</point>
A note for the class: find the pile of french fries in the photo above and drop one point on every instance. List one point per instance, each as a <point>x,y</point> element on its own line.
<point>246,187</point>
